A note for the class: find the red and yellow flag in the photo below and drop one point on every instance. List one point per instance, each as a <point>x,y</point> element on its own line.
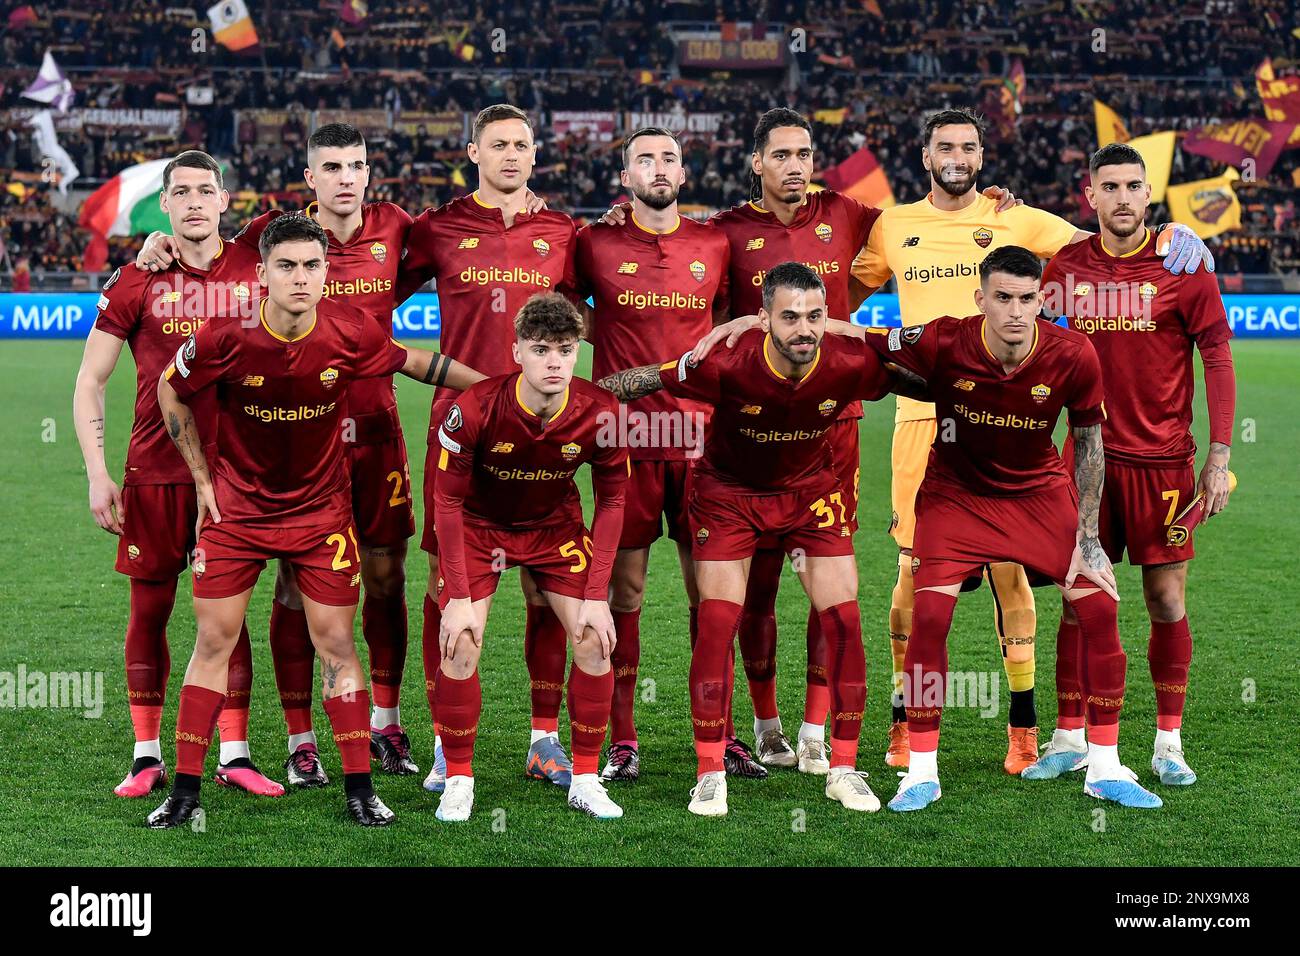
<point>861,177</point>
<point>232,26</point>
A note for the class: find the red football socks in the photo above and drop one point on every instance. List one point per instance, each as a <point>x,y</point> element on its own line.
<point>293,656</point>
<point>545,648</point>
<point>1169,655</point>
<point>625,660</point>
<point>589,703</point>
<point>926,667</point>
<point>349,716</point>
<point>842,627</point>
<point>233,720</point>
<point>383,624</point>
<point>1103,665</point>
<point>196,720</point>
<point>460,704</point>
<point>148,663</point>
<point>1069,686</point>
<point>708,680</point>
<point>817,695</point>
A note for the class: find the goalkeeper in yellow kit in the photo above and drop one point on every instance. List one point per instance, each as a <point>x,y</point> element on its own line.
<point>933,247</point>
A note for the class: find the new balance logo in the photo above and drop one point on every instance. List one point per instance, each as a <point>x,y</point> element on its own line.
<point>503,448</point>
<point>627,269</point>
<point>468,243</point>
<point>911,241</point>
<point>964,384</point>
<point>754,245</point>
<point>254,381</point>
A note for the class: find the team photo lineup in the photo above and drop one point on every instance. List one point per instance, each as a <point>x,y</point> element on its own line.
<point>678,420</point>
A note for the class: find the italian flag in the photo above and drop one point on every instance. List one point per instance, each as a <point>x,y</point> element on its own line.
<point>126,205</point>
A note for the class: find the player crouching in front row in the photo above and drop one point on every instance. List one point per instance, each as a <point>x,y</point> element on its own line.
<point>505,497</point>
<point>280,489</point>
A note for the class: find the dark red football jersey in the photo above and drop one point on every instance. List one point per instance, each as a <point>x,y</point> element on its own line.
<point>654,295</point>
<point>995,427</point>
<point>768,433</point>
<point>155,313</point>
<point>520,468</point>
<point>1143,322</point>
<point>485,273</point>
<point>280,449</point>
<point>362,273</point>
<point>826,234</point>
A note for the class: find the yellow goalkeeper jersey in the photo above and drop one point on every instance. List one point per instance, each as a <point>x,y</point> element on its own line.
<point>936,256</point>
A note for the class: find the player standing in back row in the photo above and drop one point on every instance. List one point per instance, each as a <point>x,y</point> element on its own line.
<point>657,283</point>
<point>488,255</point>
<point>1145,325</point>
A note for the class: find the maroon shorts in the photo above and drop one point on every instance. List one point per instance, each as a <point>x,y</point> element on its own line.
<point>157,530</point>
<point>381,493</point>
<point>657,491</point>
<point>557,557</point>
<point>847,464</point>
<point>1138,504</point>
<point>727,525</point>
<point>325,558</point>
<point>958,533</point>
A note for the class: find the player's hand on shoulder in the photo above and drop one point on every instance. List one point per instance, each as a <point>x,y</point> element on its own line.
<point>106,504</point>
<point>596,616</point>
<point>1182,249</point>
<point>533,203</point>
<point>617,214</point>
<point>728,332</point>
<point>1005,197</point>
<point>158,252</point>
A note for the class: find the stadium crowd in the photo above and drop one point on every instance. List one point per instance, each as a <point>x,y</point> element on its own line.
<point>1182,69</point>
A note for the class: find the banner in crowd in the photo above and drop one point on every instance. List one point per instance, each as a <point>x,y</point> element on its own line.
<point>735,46</point>
<point>447,124</point>
<point>1235,143</point>
<point>599,125</point>
<point>675,121</point>
<point>69,315</point>
<point>863,178</point>
<point>1110,128</point>
<point>1209,206</point>
<point>1157,151</point>
<point>152,121</point>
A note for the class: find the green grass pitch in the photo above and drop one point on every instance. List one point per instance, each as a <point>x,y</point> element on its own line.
<point>65,609</point>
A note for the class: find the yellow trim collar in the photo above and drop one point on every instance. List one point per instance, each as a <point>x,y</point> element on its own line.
<point>767,360</point>
<point>985,342</point>
<point>1125,255</point>
<point>519,398</point>
<point>655,232</point>
<point>261,313</point>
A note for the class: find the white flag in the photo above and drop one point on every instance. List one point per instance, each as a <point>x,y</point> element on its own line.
<point>43,125</point>
<point>51,87</point>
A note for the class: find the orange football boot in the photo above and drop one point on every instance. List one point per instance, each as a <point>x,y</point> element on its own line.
<point>900,750</point>
<point>1022,749</point>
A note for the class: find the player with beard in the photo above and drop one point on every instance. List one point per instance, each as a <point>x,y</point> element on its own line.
<point>767,470</point>
<point>656,282</point>
<point>1145,325</point>
<point>153,514</point>
<point>825,230</point>
<point>489,252</point>
<point>933,248</point>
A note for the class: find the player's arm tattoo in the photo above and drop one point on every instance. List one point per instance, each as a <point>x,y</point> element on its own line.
<point>1217,461</point>
<point>1089,474</point>
<point>633,383</point>
<point>908,384</point>
<point>98,425</point>
<point>185,435</point>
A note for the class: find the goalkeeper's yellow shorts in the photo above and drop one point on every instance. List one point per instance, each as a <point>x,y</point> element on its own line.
<point>911,451</point>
